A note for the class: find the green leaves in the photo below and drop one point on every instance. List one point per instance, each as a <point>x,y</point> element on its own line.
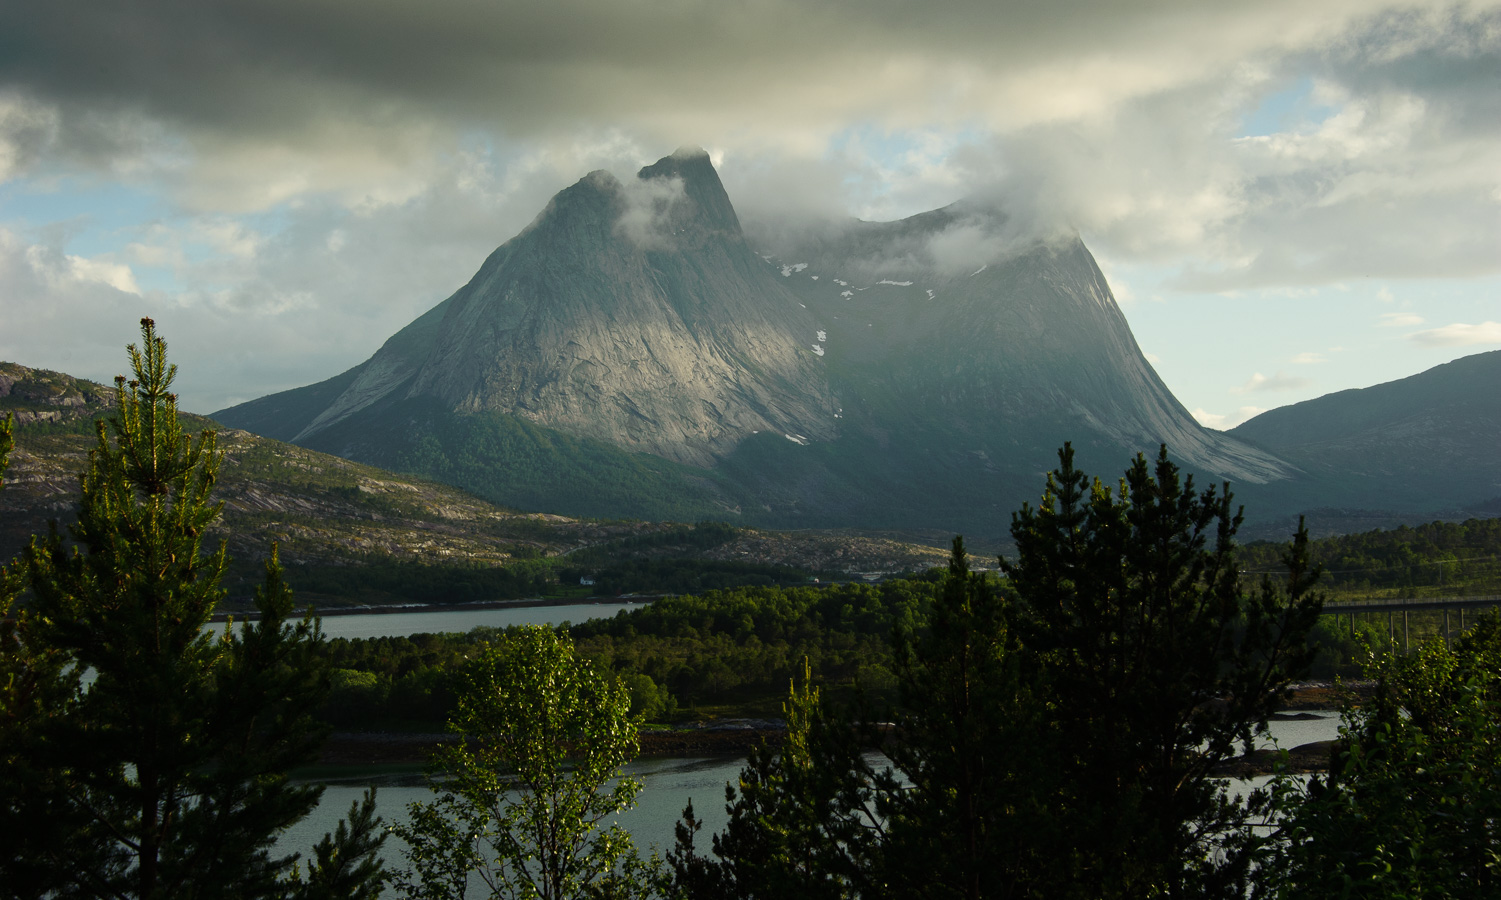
<point>528,795</point>
<point>1412,805</point>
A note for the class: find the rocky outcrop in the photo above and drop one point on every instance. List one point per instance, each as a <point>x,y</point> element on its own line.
<point>36,396</point>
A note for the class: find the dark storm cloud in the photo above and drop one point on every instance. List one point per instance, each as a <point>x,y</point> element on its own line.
<point>288,69</point>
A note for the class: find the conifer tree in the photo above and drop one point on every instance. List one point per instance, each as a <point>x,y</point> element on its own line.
<point>38,690</point>
<point>170,769</point>
<point>1155,665</point>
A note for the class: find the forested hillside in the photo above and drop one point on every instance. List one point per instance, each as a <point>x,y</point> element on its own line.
<point>1434,560</point>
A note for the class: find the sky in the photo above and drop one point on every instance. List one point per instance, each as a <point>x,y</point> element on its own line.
<point>1289,197</point>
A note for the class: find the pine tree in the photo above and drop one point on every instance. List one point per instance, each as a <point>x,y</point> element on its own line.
<point>1155,666</point>
<point>38,691</point>
<point>963,822</point>
<point>171,766</point>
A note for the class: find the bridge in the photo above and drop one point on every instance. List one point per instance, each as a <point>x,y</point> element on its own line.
<point>1407,605</point>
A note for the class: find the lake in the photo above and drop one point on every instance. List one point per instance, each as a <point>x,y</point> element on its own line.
<point>670,783</point>
<point>393,624</point>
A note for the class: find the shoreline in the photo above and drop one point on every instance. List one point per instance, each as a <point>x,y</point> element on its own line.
<point>355,749</point>
<point>358,749</point>
<point>387,609</point>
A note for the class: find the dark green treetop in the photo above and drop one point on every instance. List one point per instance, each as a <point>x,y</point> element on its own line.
<point>1156,665</point>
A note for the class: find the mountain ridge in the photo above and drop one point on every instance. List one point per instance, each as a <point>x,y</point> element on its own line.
<point>629,349</point>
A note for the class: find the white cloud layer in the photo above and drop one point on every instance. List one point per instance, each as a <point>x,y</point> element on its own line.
<point>1401,319</point>
<point>1279,382</point>
<point>1460,335</point>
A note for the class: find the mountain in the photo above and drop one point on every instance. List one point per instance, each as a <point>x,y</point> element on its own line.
<point>1429,442</point>
<point>332,517</point>
<point>630,354</point>
<point>633,314</point>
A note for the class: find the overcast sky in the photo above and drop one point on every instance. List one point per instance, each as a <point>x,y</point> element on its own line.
<point>1290,198</point>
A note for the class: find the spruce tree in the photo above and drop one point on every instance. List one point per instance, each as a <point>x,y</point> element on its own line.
<point>171,767</point>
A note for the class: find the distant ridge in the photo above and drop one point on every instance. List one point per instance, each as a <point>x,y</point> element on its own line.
<point>1429,441</point>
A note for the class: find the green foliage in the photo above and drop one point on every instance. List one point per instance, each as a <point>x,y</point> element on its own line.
<point>744,645</point>
<point>650,702</point>
<point>167,776</point>
<point>38,690</point>
<point>423,583</point>
<point>687,576</point>
<point>524,803</point>
<point>7,443</point>
<point>675,540</point>
<point>346,864</point>
<point>1436,559</point>
<point>966,818</point>
<point>1412,807</point>
<point>1057,741</point>
<point>803,818</point>
<point>1154,667</point>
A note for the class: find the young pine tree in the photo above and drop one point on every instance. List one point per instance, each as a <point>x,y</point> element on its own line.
<point>168,774</point>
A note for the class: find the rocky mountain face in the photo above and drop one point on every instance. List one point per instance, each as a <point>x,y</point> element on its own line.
<point>636,352</point>
<point>630,313</point>
<point>917,375</point>
<point>1012,338</point>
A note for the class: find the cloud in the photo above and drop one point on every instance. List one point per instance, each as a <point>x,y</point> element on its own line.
<point>326,169</point>
<point>59,271</point>
<point>1258,383</point>
<point>1459,335</point>
<point>1401,319</point>
<point>1310,358</point>
<point>1118,118</point>
<point>248,310</point>
<point>1224,422</point>
<point>647,217</point>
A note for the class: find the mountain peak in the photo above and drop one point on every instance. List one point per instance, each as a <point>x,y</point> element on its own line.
<point>701,184</point>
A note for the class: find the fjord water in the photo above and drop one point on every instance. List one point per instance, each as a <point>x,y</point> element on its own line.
<point>400,624</point>
<point>670,783</point>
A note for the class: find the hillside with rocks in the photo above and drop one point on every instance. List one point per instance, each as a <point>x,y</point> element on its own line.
<point>324,511</point>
